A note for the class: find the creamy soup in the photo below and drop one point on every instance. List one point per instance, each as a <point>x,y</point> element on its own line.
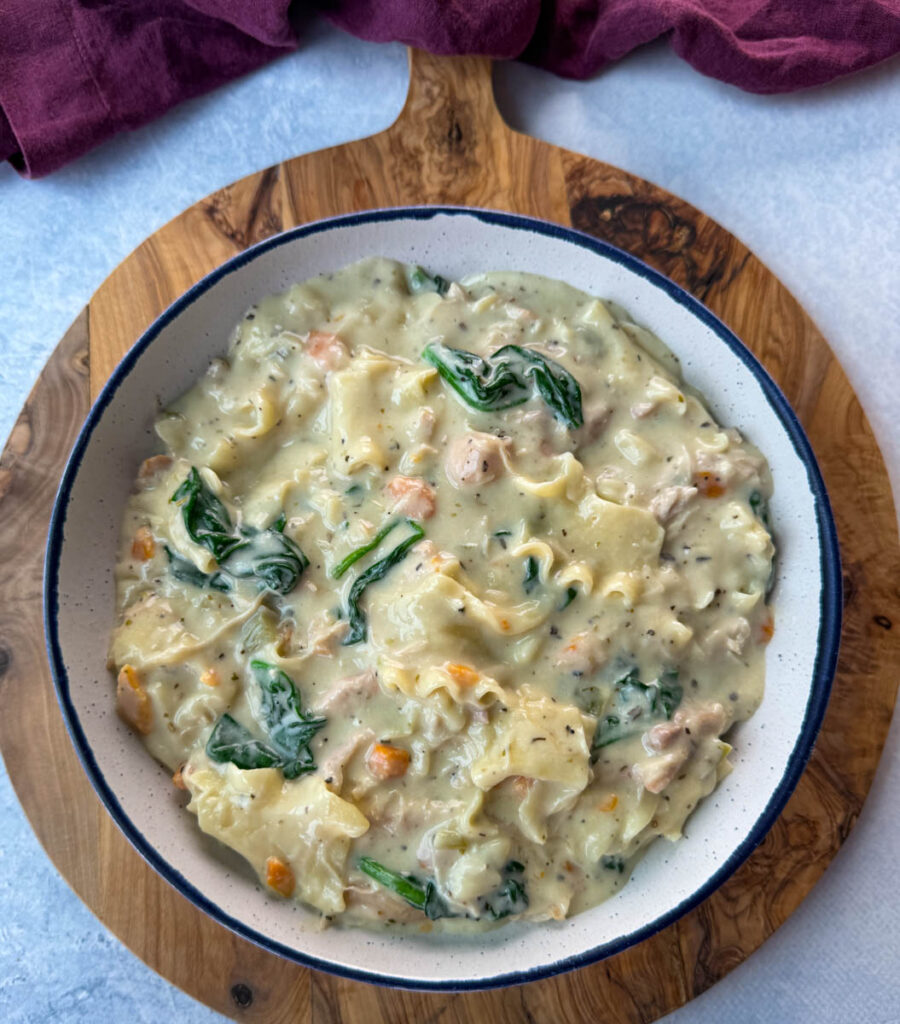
<point>443,596</point>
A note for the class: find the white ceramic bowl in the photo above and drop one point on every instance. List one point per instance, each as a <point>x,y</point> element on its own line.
<point>770,750</point>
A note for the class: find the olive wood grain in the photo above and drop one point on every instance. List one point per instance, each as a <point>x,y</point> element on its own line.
<point>450,145</point>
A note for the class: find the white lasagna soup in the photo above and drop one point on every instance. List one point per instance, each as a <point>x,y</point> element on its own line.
<point>442,597</point>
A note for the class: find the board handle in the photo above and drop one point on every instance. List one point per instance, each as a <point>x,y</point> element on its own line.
<point>450,100</point>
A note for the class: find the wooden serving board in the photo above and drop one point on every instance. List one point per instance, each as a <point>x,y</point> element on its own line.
<point>450,145</point>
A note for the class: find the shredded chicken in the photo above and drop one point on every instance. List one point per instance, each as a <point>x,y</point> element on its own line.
<point>662,735</point>
<point>423,428</point>
<point>731,637</point>
<point>333,764</point>
<point>596,416</point>
<point>730,466</point>
<point>670,501</point>
<point>324,634</point>
<point>475,458</point>
<point>349,692</point>
<point>583,653</point>
<point>673,743</point>
<point>412,497</point>
<point>702,720</point>
<point>657,773</point>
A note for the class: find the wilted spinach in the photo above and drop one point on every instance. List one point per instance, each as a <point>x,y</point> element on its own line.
<point>205,517</point>
<point>510,897</point>
<point>635,706</point>
<point>289,729</point>
<point>613,862</point>
<point>532,574</point>
<point>358,553</point>
<point>419,280</point>
<point>378,570</point>
<point>268,556</point>
<point>185,571</point>
<point>508,377</point>
<point>231,741</point>
<point>421,895</point>
<point>760,508</point>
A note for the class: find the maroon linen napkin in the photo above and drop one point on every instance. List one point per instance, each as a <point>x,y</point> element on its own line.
<point>75,72</point>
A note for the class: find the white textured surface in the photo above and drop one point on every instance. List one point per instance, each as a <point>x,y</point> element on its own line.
<point>809,182</point>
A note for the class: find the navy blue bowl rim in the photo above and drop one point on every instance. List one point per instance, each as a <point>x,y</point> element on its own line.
<point>823,669</point>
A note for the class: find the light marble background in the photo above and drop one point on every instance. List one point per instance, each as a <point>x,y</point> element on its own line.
<point>810,182</point>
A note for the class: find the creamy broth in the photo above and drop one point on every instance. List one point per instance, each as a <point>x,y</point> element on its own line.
<point>422,662</point>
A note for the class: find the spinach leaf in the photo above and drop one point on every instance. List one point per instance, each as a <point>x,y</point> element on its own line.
<point>635,706</point>
<point>510,897</point>
<point>231,741</point>
<point>532,575</point>
<point>760,507</point>
<point>670,691</point>
<point>613,862</point>
<point>569,596</point>
<point>185,571</point>
<point>419,280</point>
<point>358,553</point>
<point>553,382</point>
<point>485,384</point>
<point>357,494</point>
<point>268,556</point>
<point>378,570</point>
<point>630,711</point>
<point>205,517</point>
<point>290,728</point>
<point>422,896</point>
<point>508,377</point>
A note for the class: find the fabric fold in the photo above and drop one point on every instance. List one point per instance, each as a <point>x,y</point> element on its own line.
<point>75,72</point>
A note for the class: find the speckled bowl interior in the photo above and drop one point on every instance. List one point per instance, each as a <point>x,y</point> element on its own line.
<point>770,750</point>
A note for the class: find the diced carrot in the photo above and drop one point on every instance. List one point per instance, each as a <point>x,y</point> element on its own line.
<point>280,877</point>
<point>387,762</point>
<point>708,485</point>
<point>465,675</point>
<point>143,546</point>
<point>178,780</point>
<point>609,804</point>
<point>210,677</point>
<point>767,630</point>
<point>412,497</point>
<point>133,702</point>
